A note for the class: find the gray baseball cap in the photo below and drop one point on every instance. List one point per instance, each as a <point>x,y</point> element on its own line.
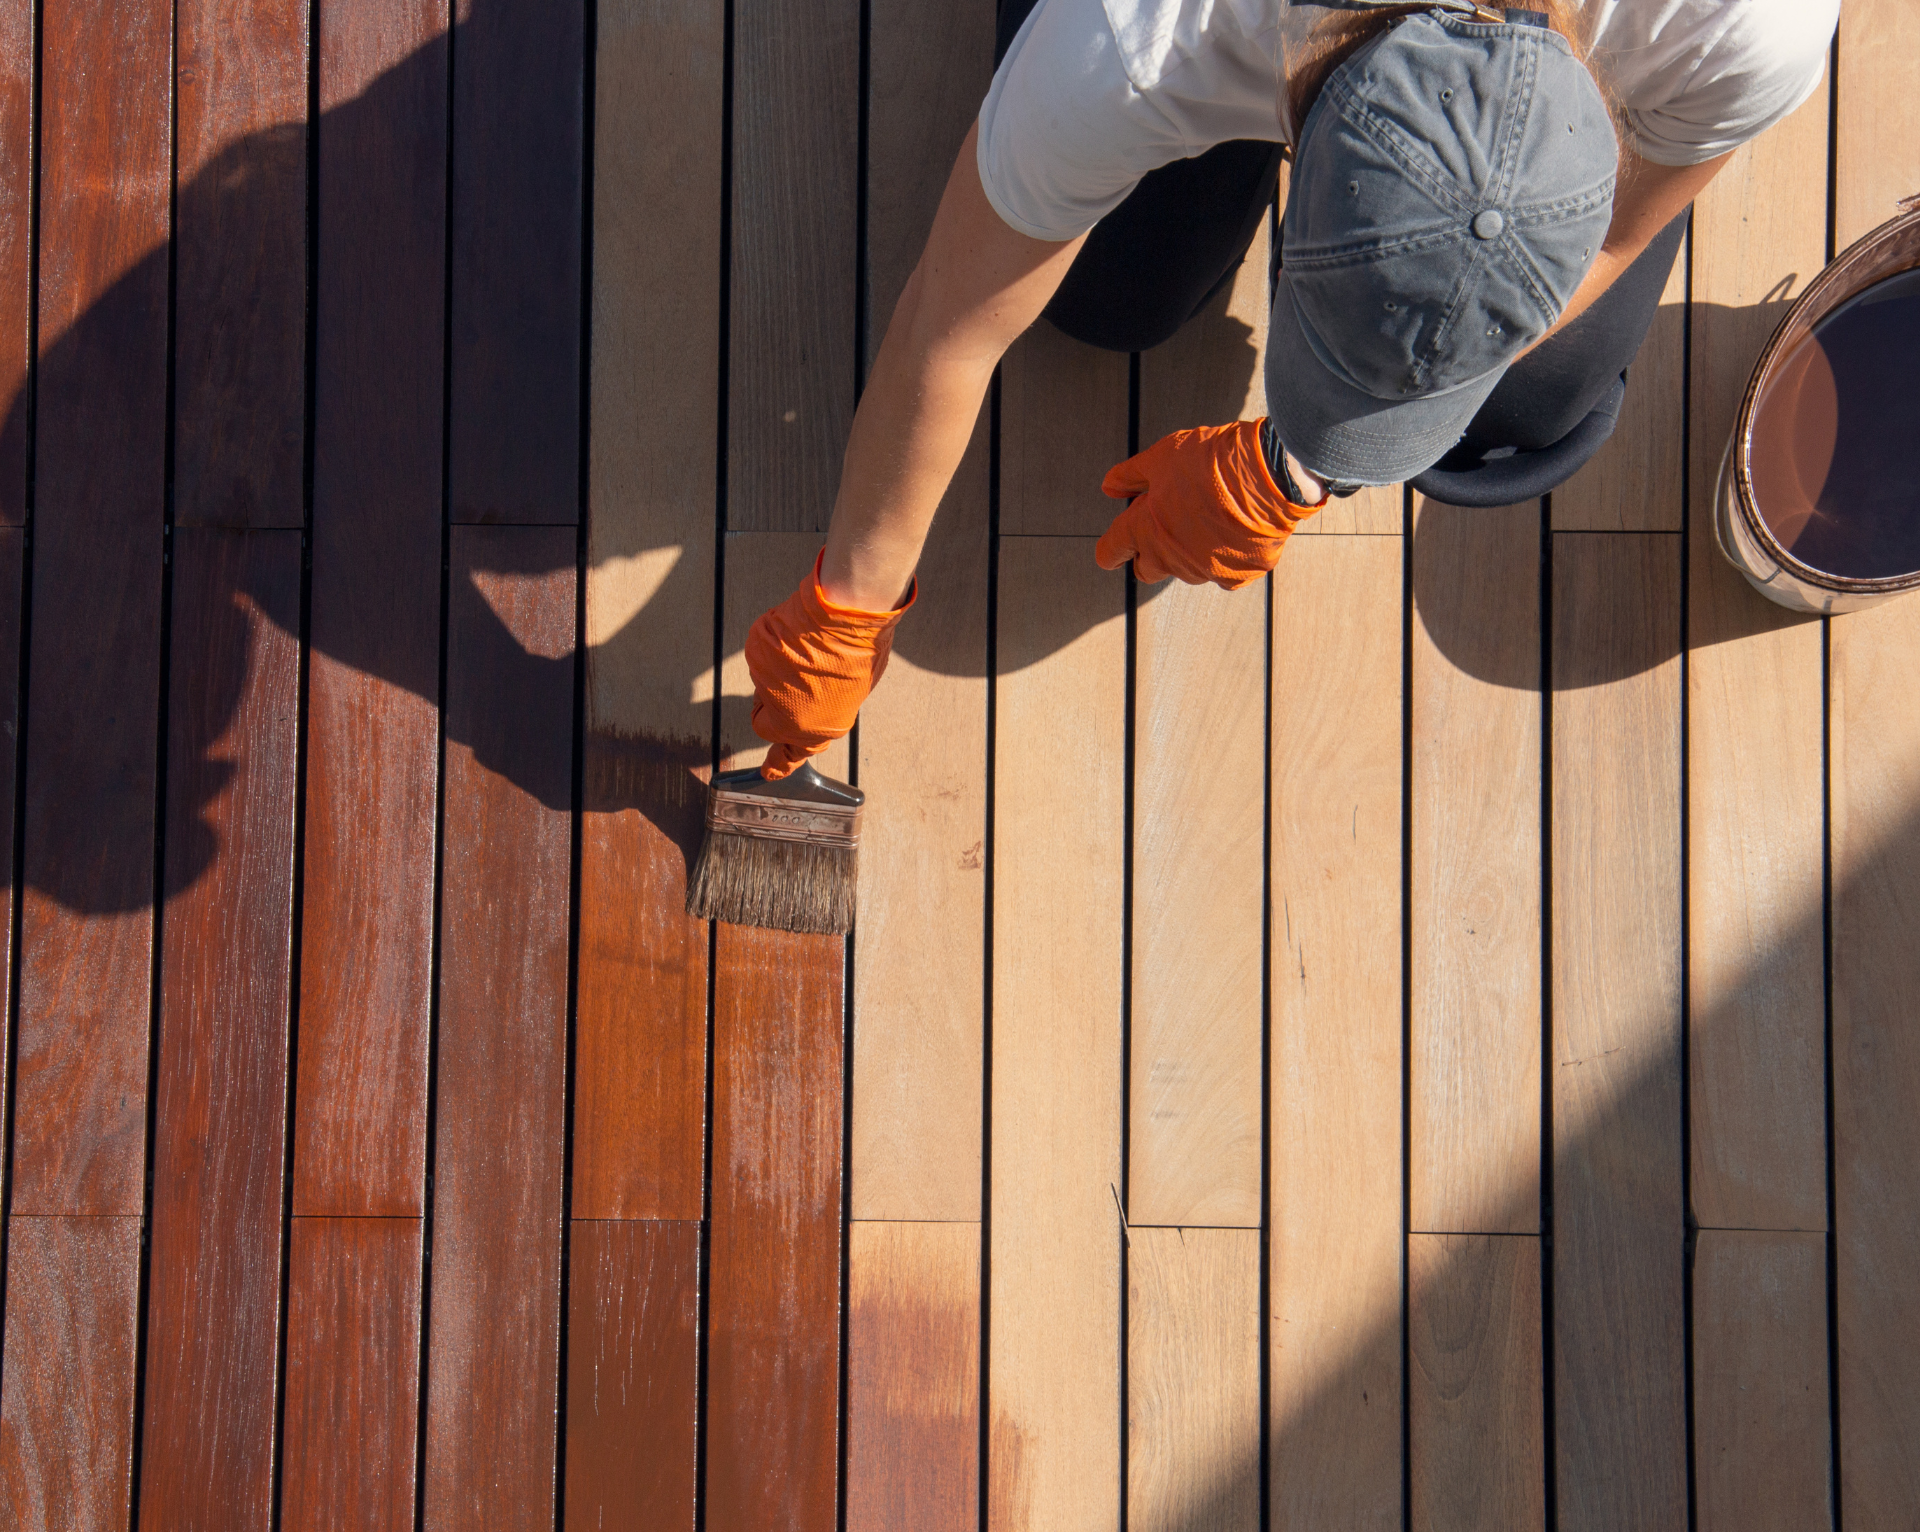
<point>1451,186</point>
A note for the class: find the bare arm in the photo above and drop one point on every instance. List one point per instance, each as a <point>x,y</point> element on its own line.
<point>978,285</point>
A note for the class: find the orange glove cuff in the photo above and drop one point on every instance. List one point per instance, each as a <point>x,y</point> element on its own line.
<point>813,663</point>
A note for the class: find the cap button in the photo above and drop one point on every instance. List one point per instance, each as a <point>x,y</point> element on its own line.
<point>1488,225</point>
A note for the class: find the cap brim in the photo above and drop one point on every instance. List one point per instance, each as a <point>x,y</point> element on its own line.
<point>1343,432</point>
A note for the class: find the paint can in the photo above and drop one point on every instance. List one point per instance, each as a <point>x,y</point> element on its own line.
<point>1818,502</point>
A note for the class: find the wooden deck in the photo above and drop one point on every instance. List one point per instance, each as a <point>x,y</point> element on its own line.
<point>1431,1043</point>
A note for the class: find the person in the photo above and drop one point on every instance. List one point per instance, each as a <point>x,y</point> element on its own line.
<point>1483,209</point>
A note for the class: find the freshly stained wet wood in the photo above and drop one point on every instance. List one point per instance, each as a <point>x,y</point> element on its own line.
<point>1876,1059</point>
<point>12,632</point>
<point>632,1347</point>
<point>1335,1284</point>
<point>1634,482</point>
<point>1761,1438</point>
<point>1199,749</point>
<point>918,966</point>
<point>66,1405</point>
<point>352,1410</point>
<point>16,250</point>
<point>1063,424</point>
<point>641,1030</point>
<point>796,109</point>
<point>1474,1107</point>
<point>1193,1380</point>
<point>1053,1435</point>
<point>773,1339</point>
<point>87,922</point>
<point>220,1103</point>
<point>913,1377</point>
<point>1615,1059</point>
<point>1755,779</point>
<point>1877,121</point>
<point>501,1051</point>
<point>240,277</point>
<point>517,196</point>
<point>360,1118</point>
<point>1477,1426</point>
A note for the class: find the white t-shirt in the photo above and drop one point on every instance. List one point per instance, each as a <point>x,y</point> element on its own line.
<point>1093,94</point>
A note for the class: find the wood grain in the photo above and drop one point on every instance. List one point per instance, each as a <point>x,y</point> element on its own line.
<point>1063,424</point>
<point>352,1391</point>
<point>1875,772</point>
<point>240,264</point>
<point>1761,1438</point>
<point>919,969</point>
<point>1755,780</point>
<point>1877,122</point>
<point>1618,1217</point>
<point>1474,1108</point>
<point>514,372</point>
<point>66,1420</point>
<point>1477,1426</point>
<point>16,250</point>
<point>1055,1260</point>
<point>796,109</point>
<point>12,630</point>
<point>632,1374</point>
<point>100,425</point>
<point>360,1118</point>
<point>1199,698</point>
<point>773,1342</point>
<point>501,1056</point>
<point>1193,1380</point>
<point>220,1101</point>
<point>913,1377</point>
<point>641,1032</point>
<point>1634,482</point>
<point>1335,1246</point>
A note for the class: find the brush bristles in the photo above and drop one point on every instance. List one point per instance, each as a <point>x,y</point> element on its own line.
<point>780,884</point>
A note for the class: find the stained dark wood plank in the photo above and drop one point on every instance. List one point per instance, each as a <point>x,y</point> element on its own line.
<point>500,1086</point>
<point>795,169</point>
<point>1762,1446</point>
<point>240,277</point>
<point>641,1031</point>
<point>352,1394</point>
<point>1474,1379</point>
<point>16,250</point>
<point>1619,1360</point>
<point>360,1117</point>
<point>12,597</point>
<point>87,921</point>
<point>213,1304</point>
<point>517,199</point>
<point>66,1405</point>
<point>633,1359</point>
<point>913,1377</point>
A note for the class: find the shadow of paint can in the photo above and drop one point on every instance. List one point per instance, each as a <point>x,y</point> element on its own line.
<point>1818,503</point>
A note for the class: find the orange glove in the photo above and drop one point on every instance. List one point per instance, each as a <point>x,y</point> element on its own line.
<point>1207,509</point>
<point>813,664</point>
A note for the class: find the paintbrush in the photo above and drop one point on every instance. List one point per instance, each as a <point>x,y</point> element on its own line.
<point>784,854</point>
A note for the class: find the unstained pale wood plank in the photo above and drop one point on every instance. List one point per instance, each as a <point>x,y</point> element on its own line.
<point>1877,119</point>
<point>913,1377</point>
<point>1193,1380</point>
<point>1053,1437</point>
<point>1755,780</point>
<point>360,1117</point>
<point>632,1363</point>
<point>501,1055</point>
<point>220,1102</point>
<point>1615,1052</point>
<point>1063,424</point>
<point>1477,1426</point>
<point>66,1405</point>
<point>1335,1343</point>
<point>352,1410</point>
<point>1474,1109</point>
<point>1761,1438</point>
